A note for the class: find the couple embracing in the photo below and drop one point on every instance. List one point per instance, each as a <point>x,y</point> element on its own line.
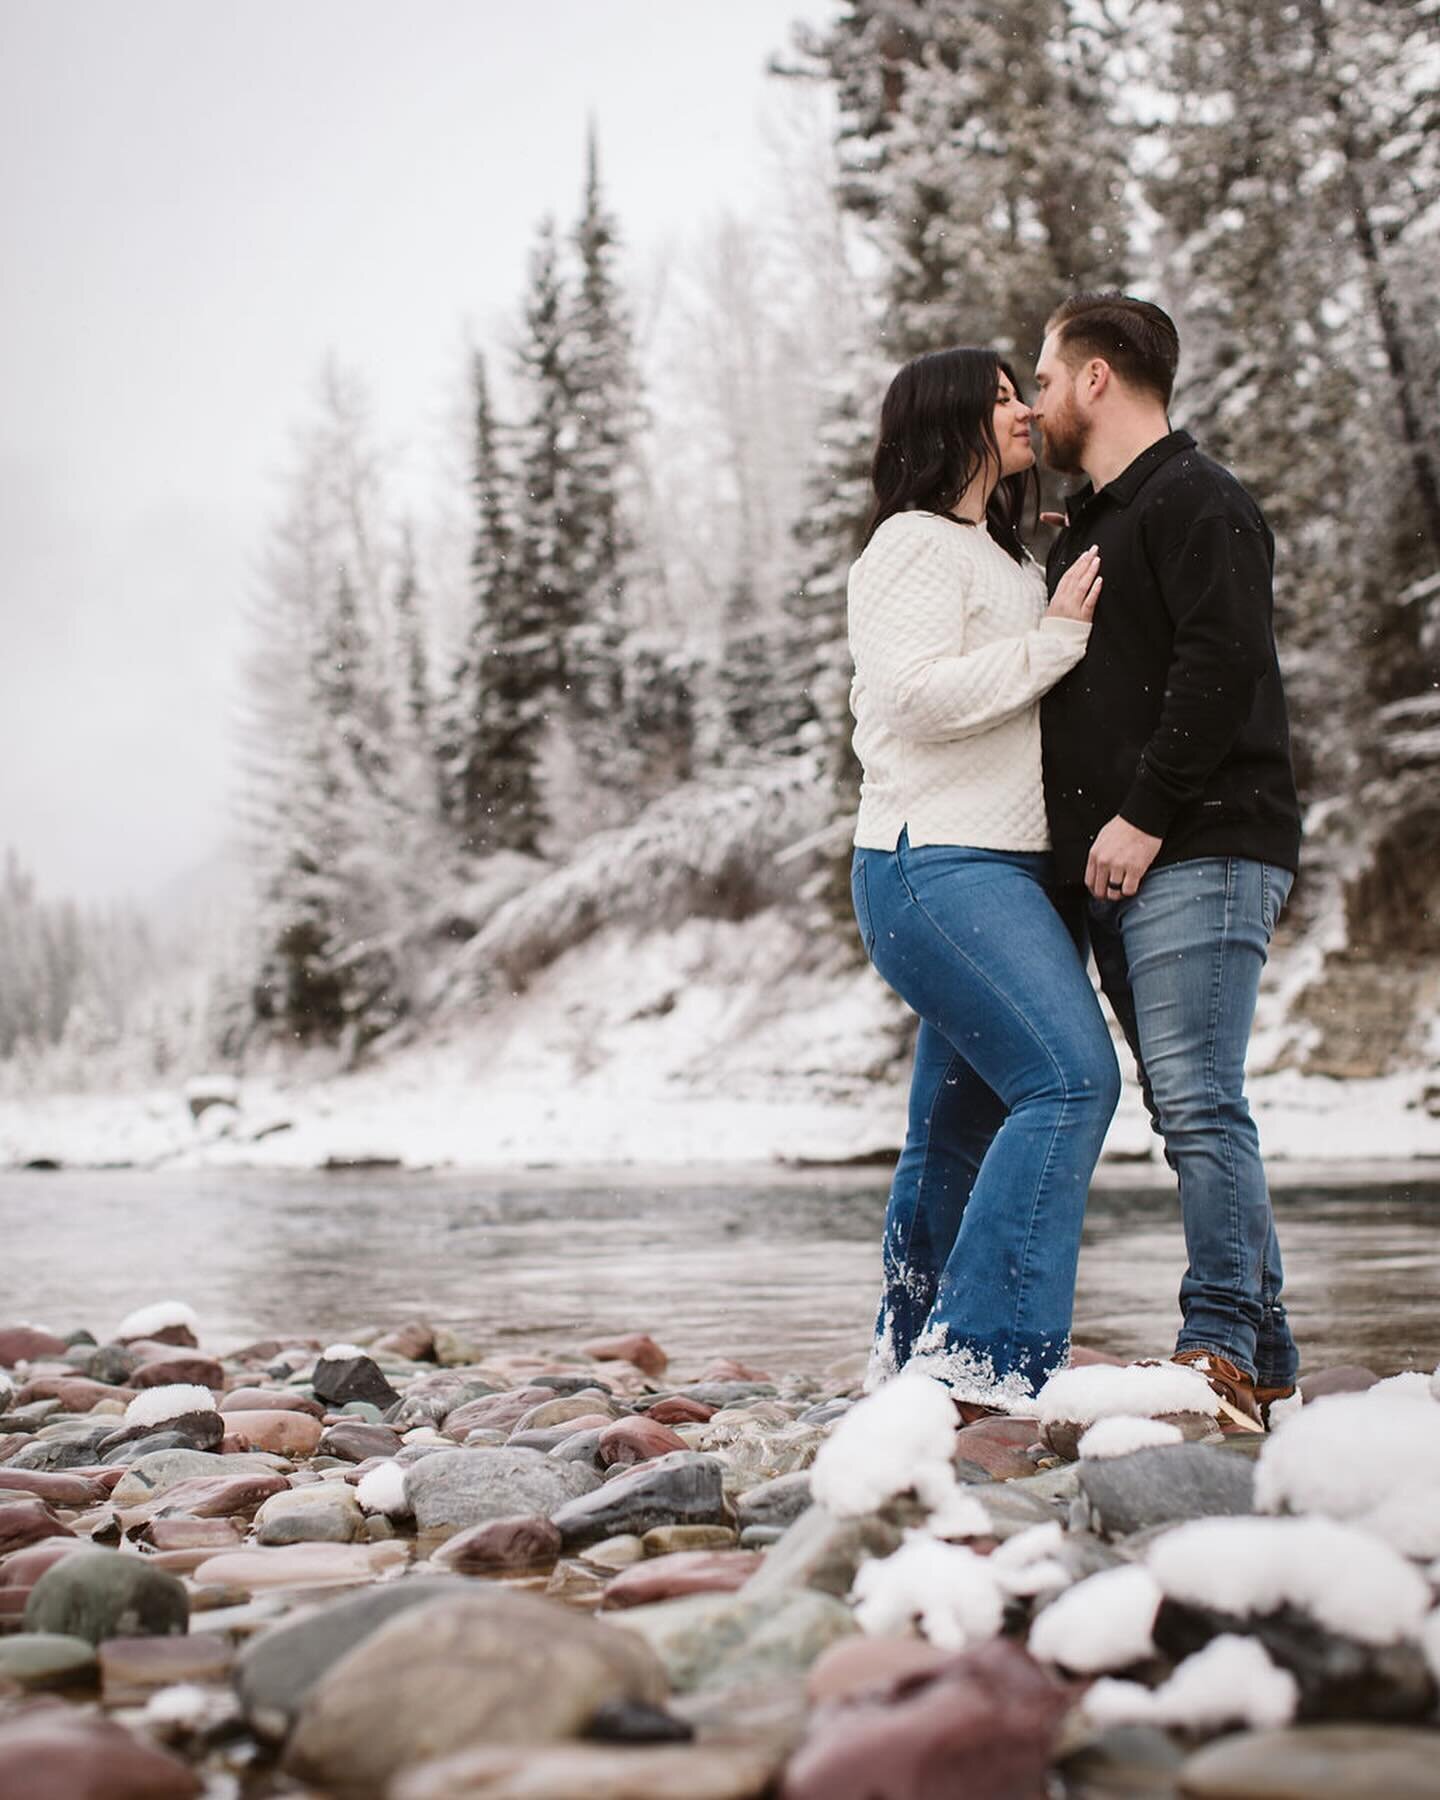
<point>1095,758</point>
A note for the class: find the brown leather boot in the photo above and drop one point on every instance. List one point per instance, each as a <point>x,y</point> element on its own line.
<point>1265,1398</point>
<point>971,1412</point>
<point>1235,1389</point>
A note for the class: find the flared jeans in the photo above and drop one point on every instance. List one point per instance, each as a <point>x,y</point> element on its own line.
<point>1014,1085</point>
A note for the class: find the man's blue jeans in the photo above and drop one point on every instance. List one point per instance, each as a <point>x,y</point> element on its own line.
<point>1180,964</point>
<point>1014,1085</point>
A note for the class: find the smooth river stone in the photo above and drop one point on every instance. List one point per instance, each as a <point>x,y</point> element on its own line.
<point>19,1572</point>
<point>325,1513</point>
<point>278,1668</point>
<point>456,1488</point>
<point>282,1433</point>
<point>999,1446</point>
<point>500,1410</point>
<point>354,1441</point>
<point>341,1378</point>
<point>637,1348</point>
<point>24,1522</point>
<point>74,1392</point>
<point>587,1404</point>
<point>510,1546</point>
<point>598,1771</point>
<point>270,1399</point>
<point>680,1489</point>
<point>684,1572</point>
<point>132,1668</point>
<point>152,1475</point>
<point>989,1720</point>
<point>1158,1486</point>
<point>27,1343</point>
<point>665,1540</point>
<point>728,1640</point>
<point>53,1487</point>
<point>192,1534</point>
<point>180,1371</point>
<point>56,1753</point>
<point>871,1665</point>
<point>209,1497</point>
<point>546,1438</point>
<point>1348,1378</point>
<point>489,1666</point>
<point>301,1565</point>
<point>45,1660</point>
<point>106,1593</point>
<point>1316,1762</point>
<point>637,1440</point>
<point>675,1409</point>
<point>779,1501</point>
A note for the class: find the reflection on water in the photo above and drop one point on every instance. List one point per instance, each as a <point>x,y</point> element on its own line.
<point>782,1271</point>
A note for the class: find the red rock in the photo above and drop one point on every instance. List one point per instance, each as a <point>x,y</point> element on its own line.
<point>726,1368</point>
<point>514,1544</point>
<point>11,1441</point>
<point>59,1489</point>
<point>679,1410</point>
<point>107,1475</point>
<point>1081,1357</point>
<point>131,1668</point>
<point>986,1724</point>
<point>23,1568</point>
<point>24,1522</point>
<point>265,1350</point>
<point>209,1497</point>
<point>682,1572</point>
<point>276,1399</point>
<point>192,1534</point>
<point>52,1752</point>
<point>498,1410</point>
<point>999,1446</point>
<point>175,1371</point>
<point>637,1440</point>
<point>76,1393</point>
<point>638,1348</point>
<point>415,1341</point>
<point>354,1440</point>
<point>284,1433</point>
<point>171,1336</point>
<point>1346,1379</point>
<point>870,1665</point>
<point>27,1343</point>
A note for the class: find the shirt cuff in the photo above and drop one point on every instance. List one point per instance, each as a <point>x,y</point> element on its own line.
<point>1147,809</point>
<point>1070,627</point>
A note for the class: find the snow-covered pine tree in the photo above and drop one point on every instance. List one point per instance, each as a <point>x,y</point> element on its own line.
<point>414,700</point>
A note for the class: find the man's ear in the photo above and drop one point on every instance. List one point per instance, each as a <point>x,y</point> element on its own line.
<point>1097,377</point>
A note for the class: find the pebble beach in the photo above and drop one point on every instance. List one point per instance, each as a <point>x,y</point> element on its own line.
<point>412,1566</point>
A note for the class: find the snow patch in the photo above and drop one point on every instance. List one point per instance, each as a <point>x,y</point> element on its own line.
<point>1345,1579</point>
<point>960,1516</point>
<point>382,1490</point>
<point>158,1404</point>
<point>1232,1681</point>
<point>1410,1385</point>
<point>1372,1459</point>
<point>341,1353</point>
<point>1105,1622</point>
<point>145,1321</point>
<point>1028,1563</point>
<point>1135,1390</point>
<point>949,1590</point>
<point>899,1437</point>
<point>1121,1434</point>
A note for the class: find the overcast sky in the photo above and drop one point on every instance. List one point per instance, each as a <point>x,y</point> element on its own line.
<point>201,200</point>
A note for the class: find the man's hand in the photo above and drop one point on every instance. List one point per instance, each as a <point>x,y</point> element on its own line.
<point>1119,858</point>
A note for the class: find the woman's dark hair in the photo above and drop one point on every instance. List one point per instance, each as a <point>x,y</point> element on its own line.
<point>936,434</point>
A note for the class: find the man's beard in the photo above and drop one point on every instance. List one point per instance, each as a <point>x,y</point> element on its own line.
<point>1064,437</point>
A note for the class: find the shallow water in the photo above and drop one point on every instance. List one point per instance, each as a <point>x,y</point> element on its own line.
<point>779,1270</point>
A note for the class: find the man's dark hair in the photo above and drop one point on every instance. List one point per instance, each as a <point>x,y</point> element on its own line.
<point>1135,337</point>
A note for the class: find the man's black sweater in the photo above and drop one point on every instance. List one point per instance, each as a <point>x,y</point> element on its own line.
<point>1175,719</point>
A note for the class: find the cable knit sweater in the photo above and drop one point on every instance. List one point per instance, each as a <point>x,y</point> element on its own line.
<point>952,652</point>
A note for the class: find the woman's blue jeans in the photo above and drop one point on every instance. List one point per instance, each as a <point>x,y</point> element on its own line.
<point>1180,964</point>
<point>1014,1085</point>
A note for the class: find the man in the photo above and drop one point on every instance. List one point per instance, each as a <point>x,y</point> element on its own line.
<point>1171,796</point>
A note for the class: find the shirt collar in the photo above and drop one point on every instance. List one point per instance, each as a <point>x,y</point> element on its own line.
<point>1128,483</point>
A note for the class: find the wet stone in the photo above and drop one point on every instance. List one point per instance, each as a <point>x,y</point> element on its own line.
<point>54,1753</point>
<point>665,1539</point>
<point>1123,1494</point>
<point>777,1502</point>
<point>132,1668</point>
<point>453,1489</point>
<point>598,1771</point>
<point>24,1522</point>
<point>104,1593</point>
<point>513,1546</point>
<point>42,1661</point>
<point>682,1488</point>
<point>354,1442</point>
<point>1315,1762</point>
<point>352,1378</point>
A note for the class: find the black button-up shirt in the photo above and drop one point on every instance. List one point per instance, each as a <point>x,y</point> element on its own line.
<point>1175,720</point>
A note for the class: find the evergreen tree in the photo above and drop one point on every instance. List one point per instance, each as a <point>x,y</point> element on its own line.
<point>414,668</point>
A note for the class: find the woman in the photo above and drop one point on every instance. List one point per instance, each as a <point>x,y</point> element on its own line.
<point>1015,1079</point>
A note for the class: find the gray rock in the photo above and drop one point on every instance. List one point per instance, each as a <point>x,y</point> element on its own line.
<point>130,1450</point>
<point>1316,1762</point>
<point>825,1412</point>
<point>1131,1762</point>
<point>428,1400</point>
<point>683,1488</point>
<point>761,1537</point>
<point>99,1594</point>
<point>571,1384</point>
<point>198,1430</point>
<point>739,1640</point>
<point>725,1393</point>
<point>823,1552</point>
<point>154,1474</point>
<point>777,1502</point>
<point>456,1488</point>
<point>277,1669</point>
<point>487,1667</point>
<point>43,1660</point>
<point>1012,1508</point>
<point>110,1363</point>
<point>581,1447</point>
<point>324,1513</point>
<point>68,1450</point>
<point>1164,1485</point>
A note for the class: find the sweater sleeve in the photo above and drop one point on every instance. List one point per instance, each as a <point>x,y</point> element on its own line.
<point>1216,583</point>
<point>903,626</point>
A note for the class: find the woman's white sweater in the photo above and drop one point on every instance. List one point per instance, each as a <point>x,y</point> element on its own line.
<point>952,652</point>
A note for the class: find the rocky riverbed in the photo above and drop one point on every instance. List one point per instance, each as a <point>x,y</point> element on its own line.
<point>413,1566</point>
